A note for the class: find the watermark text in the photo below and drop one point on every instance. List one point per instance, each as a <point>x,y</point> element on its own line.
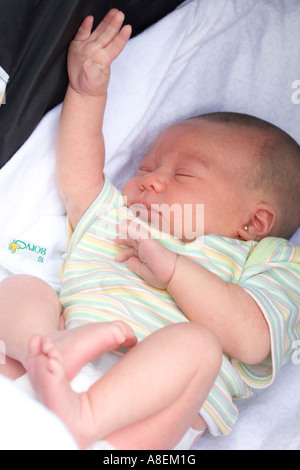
<point>2,353</point>
<point>184,222</point>
<point>296,353</point>
<point>296,93</point>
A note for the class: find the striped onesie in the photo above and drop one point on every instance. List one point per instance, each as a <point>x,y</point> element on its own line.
<point>96,288</point>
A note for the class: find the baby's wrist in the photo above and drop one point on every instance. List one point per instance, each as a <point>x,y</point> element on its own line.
<point>172,282</point>
<point>85,103</point>
<point>82,94</point>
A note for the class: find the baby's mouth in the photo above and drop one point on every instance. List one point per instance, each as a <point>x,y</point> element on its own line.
<point>142,208</point>
<point>146,212</point>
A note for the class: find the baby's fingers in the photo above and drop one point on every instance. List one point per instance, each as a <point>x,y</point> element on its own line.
<point>109,28</point>
<point>144,272</point>
<point>105,22</point>
<point>125,254</point>
<point>137,266</point>
<point>117,45</point>
<point>85,29</point>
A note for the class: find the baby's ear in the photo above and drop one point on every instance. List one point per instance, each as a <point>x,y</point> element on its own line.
<point>260,224</point>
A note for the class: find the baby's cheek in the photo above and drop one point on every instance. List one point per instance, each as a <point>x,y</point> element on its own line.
<point>129,190</point>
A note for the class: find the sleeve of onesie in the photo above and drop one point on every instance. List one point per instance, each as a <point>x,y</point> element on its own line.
<point>274,284</point>
<point>109,198</point>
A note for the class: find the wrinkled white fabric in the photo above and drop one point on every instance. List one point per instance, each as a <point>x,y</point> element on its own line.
<point>206,56</point>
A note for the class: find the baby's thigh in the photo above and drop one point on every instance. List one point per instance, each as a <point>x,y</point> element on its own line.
<point>23,289</point>
<point>10,368</point>
<point>27,299</point>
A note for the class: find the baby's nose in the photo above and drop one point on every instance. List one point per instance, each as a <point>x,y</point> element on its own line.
<point>155,181</point>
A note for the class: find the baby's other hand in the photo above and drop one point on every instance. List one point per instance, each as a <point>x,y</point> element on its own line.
<point>146,257</point>
<point>91,53</point>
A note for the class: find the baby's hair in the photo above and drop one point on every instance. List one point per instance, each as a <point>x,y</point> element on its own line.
<point>276,168</point>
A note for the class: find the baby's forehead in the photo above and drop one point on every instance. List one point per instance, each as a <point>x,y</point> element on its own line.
<point>204,130</point>
<point>202,136</point>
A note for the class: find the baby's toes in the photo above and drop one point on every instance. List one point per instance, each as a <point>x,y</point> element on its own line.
<point>34,347</point>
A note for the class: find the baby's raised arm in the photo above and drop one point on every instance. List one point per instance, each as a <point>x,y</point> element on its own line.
<point>80,143</point>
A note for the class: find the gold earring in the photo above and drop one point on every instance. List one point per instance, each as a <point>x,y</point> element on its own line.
<point>246,228</point>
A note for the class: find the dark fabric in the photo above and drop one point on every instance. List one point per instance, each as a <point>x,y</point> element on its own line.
<point>34,39</point>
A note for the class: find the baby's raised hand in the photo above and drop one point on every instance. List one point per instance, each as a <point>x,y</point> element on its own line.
<point>91,53</point>
<point>145,256</point>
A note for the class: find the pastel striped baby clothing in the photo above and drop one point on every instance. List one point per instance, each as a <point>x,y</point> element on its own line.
<point>96,288</point>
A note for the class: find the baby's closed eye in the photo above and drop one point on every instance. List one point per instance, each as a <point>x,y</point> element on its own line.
<point>185,173</point>
<point>145,170</point>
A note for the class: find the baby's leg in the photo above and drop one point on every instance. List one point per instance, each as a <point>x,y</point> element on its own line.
<point>76,347</point>
<point>27,305</point>
<point>160,431</point>
<point>165,429</point>
<point>174,367</point>
<point>30,309</point>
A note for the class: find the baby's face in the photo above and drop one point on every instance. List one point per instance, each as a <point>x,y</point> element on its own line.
<point>193,166</point>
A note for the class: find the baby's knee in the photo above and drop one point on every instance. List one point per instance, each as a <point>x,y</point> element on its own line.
<point>213,349</point>
<point>202,342</point>
<point>13,287</point>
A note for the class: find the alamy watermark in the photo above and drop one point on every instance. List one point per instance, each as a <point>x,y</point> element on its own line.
<point>184,222</point>
<point>2,353</point>
<point>296,94</point>
<point>296,353</point>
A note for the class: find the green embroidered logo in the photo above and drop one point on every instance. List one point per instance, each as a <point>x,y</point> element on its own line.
<point>17,246</point>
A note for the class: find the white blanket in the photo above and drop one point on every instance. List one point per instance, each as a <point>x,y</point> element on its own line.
<point>206,56</point>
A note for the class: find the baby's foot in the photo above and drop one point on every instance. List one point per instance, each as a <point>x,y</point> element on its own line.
<point>53,361</point>
<point>44,365</point>
<point>47,374</point>
<point>81,345</point>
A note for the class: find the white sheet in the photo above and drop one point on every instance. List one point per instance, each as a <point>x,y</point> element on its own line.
<point>206,56</point>
<point>22,420</point>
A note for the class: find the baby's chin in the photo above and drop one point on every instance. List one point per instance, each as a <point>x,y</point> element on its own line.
<point>147,215</point>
